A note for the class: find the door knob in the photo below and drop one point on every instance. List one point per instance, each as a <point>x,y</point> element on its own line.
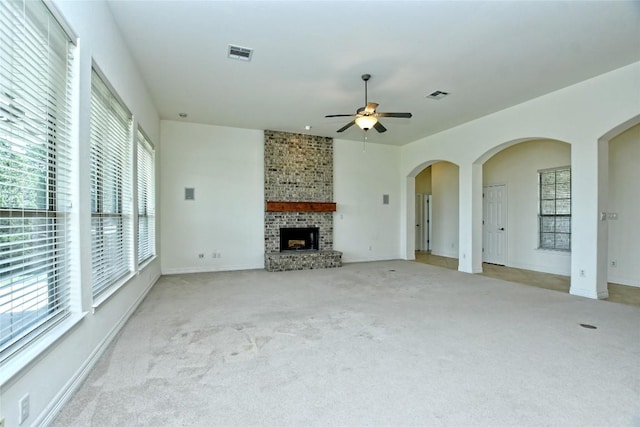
<point>501,229</point>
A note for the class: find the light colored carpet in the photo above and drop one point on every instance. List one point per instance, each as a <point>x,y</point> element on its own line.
<point>381,343</point>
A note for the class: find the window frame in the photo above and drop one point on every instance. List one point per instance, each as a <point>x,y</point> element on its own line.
<point>145,197</point>
<point>544,219</point>
<point>43,55</point>
<point>109,272</point>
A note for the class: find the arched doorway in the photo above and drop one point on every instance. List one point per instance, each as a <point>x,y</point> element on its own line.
<point>437,181</point>
<point>619,236</point>
<point>527,223</point>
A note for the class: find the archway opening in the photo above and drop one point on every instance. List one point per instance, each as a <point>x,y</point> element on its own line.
<point>433,205</point>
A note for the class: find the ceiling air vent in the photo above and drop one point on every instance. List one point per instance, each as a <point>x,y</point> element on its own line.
<point>240,53</point>
<point>437,95</point>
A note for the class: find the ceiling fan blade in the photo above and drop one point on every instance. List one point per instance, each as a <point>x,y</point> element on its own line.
<point>378,126</point>
<point>371,107</point>
<point>347,126</point>
<point>340,115</point>
<point>398,115</point>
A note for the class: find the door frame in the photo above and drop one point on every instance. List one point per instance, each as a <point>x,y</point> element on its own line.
<point>419,218</point>
<point>427,202</point>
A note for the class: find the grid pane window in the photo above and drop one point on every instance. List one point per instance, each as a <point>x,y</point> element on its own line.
<point>555,209</point>
<point>35,172</point>
<point>111,202</point>
<point>146,199</point>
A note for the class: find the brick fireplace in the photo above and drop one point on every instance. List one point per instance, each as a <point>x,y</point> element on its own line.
<point>299,195</point>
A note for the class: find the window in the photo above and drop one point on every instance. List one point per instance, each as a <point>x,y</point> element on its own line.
<point>111,201</point>
<point>146,200</point>
<point>555,208</point>
<point>35,160</point>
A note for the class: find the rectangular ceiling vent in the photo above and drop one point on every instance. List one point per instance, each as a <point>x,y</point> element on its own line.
<point>240,53</point>
<point>437,95</point>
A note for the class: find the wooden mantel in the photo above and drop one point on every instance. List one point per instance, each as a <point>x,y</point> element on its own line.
<point>300,207</point>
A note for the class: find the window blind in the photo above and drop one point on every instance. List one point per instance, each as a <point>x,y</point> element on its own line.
<point>36,58</point>
<point>146,199</point>
<point>111,201</point>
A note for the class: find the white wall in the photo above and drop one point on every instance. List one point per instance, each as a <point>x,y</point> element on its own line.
<point>49,374</point>
<point>624,200</point>
<point>445,199</point>
<point>580,114</point>
<point>225,166</point>
<point>365,229</point>
<point>517,167</point>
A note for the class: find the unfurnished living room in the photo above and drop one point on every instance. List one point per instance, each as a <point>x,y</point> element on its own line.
<point>335,213</point>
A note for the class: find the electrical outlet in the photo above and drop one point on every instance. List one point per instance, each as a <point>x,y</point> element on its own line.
<point>200,256</point>
<point>582,273</point>
<point>23,409</point>
<point>614,263</point>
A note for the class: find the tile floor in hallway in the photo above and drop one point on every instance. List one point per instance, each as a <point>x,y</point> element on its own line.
<point>617,293</point>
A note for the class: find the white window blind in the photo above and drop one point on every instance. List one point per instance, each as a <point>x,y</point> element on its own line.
<point>146,199</point>
<point>111,187</point>
<point>35,159</point>
<point>555,208</point>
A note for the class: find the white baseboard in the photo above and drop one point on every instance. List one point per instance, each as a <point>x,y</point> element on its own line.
<point>189,270</point>
<point>445,254</point>
<point>587,293</point>
<point>66,393</point>
<point>540,268</point>
<point>364,259</point>
<point>622,280</point>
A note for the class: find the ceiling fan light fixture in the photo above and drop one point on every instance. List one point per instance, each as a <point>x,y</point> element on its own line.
<point>366,122</point>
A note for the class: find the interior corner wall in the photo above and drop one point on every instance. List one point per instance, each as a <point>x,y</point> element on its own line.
<point>624,208</point>
<point>445,205</point>
<point>366,229</point>
<point>53,375</point>
<point>223,228</point>
<point>517,167</point>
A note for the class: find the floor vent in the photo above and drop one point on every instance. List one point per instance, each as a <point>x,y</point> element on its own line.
<point>240,53</point>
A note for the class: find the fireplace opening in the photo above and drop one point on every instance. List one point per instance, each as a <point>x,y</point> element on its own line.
<point>299,239</point>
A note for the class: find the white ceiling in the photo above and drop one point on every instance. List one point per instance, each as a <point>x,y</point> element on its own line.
<point>309,56</point>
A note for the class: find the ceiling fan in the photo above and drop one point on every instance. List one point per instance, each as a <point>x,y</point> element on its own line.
<point>366,117</point>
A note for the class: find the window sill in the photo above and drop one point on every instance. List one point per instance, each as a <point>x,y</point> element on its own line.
<point>25,356</point>
<point>146,262</point>
<point>555,251</point>
<point>111,291</point>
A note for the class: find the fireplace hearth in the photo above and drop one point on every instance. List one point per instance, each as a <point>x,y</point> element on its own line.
<point>299,239</point>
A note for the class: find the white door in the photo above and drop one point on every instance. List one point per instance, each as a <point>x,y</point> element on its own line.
<point>419,227</point>
<point>494,230</point>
